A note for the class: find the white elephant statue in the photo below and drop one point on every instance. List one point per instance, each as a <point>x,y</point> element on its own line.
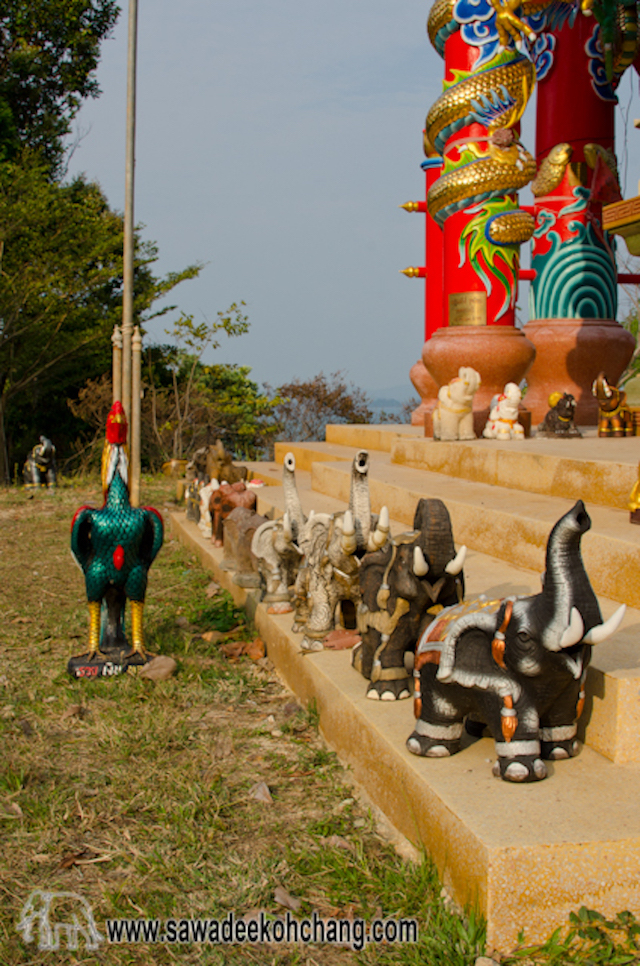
<point>453,416</point>
<point>503,416</point>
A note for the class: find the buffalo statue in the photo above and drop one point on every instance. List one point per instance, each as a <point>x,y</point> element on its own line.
<point>517,665</point>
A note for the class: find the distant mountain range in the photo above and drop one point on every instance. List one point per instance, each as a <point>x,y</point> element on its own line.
<point>392,399</point>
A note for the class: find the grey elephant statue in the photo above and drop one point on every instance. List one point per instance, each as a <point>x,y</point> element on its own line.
<point>517,665</point>
<point>403,585</point>
<point>274,544</point>
<point>333,545</point>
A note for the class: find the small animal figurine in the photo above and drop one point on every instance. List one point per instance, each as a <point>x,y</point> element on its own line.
<point>114,547</point>
<point>558,422</point>
<point>453,416</point>
<point>192,500</point>
<point>225,499</point>
<point>518,665</point>
<point>40,465</point>
<point>503,415</point>
<point>205,515</point>
<point>615,417</point>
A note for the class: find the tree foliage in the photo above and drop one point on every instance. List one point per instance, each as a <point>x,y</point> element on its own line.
<point>305,407</point>
<point>60,296</point>
<point>49,50</point>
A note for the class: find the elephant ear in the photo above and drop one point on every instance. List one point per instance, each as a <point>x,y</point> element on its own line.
<point>467,657</point>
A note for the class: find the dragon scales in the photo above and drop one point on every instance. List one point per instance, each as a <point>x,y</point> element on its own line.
<point>472,126</point>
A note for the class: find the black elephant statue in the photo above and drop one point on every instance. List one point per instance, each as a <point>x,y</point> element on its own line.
<point>40,465</point>
<point>403,585</point>
<point>517,665</point>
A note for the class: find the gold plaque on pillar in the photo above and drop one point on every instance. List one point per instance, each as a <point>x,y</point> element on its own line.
<point>468,308</point>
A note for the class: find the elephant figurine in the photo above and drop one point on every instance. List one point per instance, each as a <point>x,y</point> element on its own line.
<point>278,558</point>
<point>55,913</point>
<point>333,545</point>
<point>614,418</point>
<point>558,422</point>
<point>40,466</point>
<point>239,529</point>
<point>226,498</point>
<point>403,585</point>
<point>453,416</point>
<point>503,415</point>
<point>517,665</point>
<point>274,544</point>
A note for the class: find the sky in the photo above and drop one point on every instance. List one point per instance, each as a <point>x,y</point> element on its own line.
<point>275,142</point>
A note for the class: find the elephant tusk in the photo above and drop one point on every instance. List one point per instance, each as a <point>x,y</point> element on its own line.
<point>286,527</point>
<point>574,632</point>
<point>601,632</point>
<point>420,565</point>
<point>455,566</point>
<point>349,542</point>
<point>379,537</point>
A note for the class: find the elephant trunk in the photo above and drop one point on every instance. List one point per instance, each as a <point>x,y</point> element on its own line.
<point>359,500</point>
<point>566,584</point>
<point>291,496</point>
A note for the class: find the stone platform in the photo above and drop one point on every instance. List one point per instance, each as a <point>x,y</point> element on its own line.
<point>525,855</point>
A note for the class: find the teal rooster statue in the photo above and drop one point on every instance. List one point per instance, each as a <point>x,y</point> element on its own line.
<point>114,547</point>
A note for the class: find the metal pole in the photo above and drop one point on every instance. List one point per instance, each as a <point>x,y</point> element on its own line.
<point>116,379</point>
<point>127,295</point>
<point>134,468</point>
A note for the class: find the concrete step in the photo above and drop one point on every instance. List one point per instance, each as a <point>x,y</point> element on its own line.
<point>500,522</point>
<point>611,721</point>
<point>525,856</point>
<point>600,471</point>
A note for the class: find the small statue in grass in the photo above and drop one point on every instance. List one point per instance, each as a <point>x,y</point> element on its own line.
<point>40,466</point>
<point>114,547</point>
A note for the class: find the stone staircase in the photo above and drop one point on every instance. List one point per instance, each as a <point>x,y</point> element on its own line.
<point>524,855</point>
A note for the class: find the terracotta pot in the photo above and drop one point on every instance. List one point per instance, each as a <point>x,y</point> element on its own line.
<point>570,354</point>
<point>500,353</point>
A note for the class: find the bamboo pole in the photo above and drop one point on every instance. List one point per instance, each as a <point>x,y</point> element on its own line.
<point>129,241</point>
<point>116,378</point>
<point>136,366</point>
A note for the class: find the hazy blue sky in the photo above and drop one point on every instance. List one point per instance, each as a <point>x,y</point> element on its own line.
<point>275,142</point>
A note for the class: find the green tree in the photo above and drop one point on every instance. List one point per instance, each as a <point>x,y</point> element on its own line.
<point>60,292</point>
<point>49,50</point>
<point>193,404</point>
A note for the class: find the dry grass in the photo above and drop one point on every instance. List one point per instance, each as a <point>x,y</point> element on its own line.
<point>138,795</point>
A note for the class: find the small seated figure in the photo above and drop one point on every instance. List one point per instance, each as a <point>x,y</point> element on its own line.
<point>503,416</point>
<point>559,420</point>
<point>40,466</point>
<point>453,416</point>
